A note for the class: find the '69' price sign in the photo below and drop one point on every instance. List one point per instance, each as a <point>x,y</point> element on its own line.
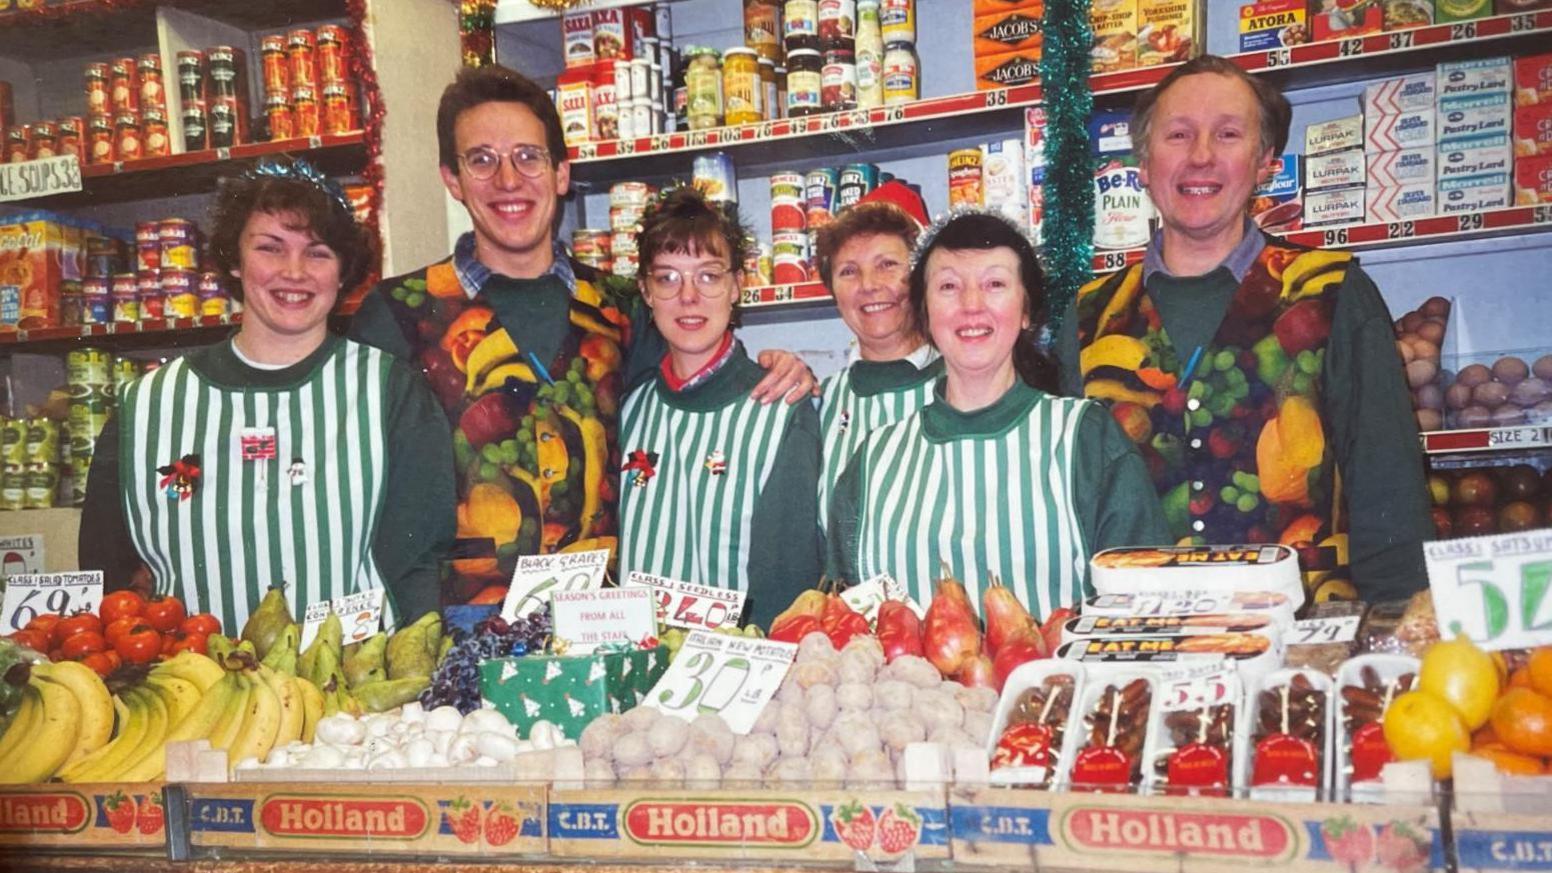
<point>1496,590</point>
<point>732,676</point>
<point>690,606</point>
<point>30,595</point>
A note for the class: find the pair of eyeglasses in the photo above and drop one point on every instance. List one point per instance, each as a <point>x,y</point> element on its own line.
<point>710,282</point>
<point>530,160</point>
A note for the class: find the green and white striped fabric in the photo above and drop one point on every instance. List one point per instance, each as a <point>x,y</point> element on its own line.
<point>690,520</point>
<point>999,504</point>
<point>847,417</point>
<point>249,524</point>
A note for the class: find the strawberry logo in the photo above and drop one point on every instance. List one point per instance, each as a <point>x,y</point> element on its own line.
<point>501,825</point>
<point>854,824</point>
<point>1347,841</point>
<point>121,812</point>
<point>463,817</point>
<point>150,816</point>
<point>898,829</point>
<point>1401,848</point>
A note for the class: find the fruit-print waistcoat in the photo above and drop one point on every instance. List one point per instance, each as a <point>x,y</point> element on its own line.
<point>534,441</point>
<point>1238,449</point>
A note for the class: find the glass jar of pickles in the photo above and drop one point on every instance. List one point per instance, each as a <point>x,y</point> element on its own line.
<point>743,93</point>
<point>703,87</point>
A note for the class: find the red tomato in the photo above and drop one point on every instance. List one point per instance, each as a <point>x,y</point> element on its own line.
<point>78,646</point>
<point>164,613</point>
<point>140,646</point>
<point>201,623</point>
<point>99,662</point>
<point>168,640</point>
<point>114,659</point>
<point>192,643</point>
<point>120,604</point>
<point>45,623</point>
<point>118,627</point>
<point>78,623</point>
<point>32,638</point>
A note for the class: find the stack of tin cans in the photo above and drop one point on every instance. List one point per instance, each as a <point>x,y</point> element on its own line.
<point>213,88</point>
<point>161,279</point>
<point>126,104</point>
<point>627,202</point>
<point>29,463</point>
<point>802,203</point>
<point>308,88</point>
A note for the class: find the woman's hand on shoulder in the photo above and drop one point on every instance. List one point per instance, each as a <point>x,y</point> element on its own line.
<point>786,376</point>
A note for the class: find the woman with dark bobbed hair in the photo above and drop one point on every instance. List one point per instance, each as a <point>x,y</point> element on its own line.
<point>995,478</point>
<point>284,454</point>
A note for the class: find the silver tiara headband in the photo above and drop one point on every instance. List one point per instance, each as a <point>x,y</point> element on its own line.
<point>925,240</point>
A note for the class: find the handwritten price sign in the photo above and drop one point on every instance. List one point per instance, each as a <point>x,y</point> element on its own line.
<point>1496,590</point>
<point>733,676</point>
<point>537,576</point>
<point>870,595</point>
<point>361,615</point>
<point>30,595</point>
<point>690,606</point>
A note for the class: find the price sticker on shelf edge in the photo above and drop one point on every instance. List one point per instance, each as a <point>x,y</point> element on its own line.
<point>536,576</point>
<point>734,677</point>
<point>867,597</point>
<point>1330,629</point>
<point>588,619</point>
<point>360,614</point>
<point>690,606</point>
<point>1497,590</point>
<point>29,595</point>
<point>39,178</point>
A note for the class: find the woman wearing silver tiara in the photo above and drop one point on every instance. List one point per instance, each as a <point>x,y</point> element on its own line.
<point>284,454</point>
<point>995,477</point>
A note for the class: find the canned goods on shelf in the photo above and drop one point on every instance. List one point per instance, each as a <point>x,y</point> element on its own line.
<point>126,136</point>
<point>333,54</point>
<point>123,89</point>
<point>820,187</point>
<point>304,105</point>
<point>70,304</point>
<point>301,52</point>
<point>837,24</point>
<point>622,242</point>
<point>180,288</point>
<point>96,303</point>
<point>625,219</point>
<point>152,90</point>
<point>149,293</point>
<point>897,18</point>
<point>855,183</point>
<point>41,483</point>
<point>276,67</point>
<point>223,63</point>
<point>221,123</point>
<point>590,246</point>
<point>195,128</point>
<point>838,81</point>
<point>800,26</point>
<point>805,82</point>
<point>97,100</point>
<point>703,87</point>
<point>713,174</point>
<point>964,178</point>
<point>630,194</point>
<point>624,264</point>
<point>789,257</point>
<point>902,74</point>
<point>213,299</point>
<point>13,487</point>
<point>13,441</point>
<point>148,245</point>
<point>126,297</point>
<point>339,109</point>
<point>179,242</point>
<point>72,137</point>
<point>44,140</point>
<point>278,115</point>
<point>789,201</point>
<point>154,137</point>
<point>99,140</point>
<point>742,91</point>
<point>191,76</point>
<point>42,446</point>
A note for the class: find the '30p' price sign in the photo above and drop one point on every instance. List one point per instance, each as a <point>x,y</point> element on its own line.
<point>690,606</point>
<point>735,677</point>
<point>1496,590</point>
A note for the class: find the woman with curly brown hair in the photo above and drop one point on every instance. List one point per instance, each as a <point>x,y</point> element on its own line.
<point>284,454</point>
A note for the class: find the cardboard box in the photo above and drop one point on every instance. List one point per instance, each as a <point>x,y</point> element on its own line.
<point>992,7</point>
<point>1334,135</point>
<point>1406,167</point>
<point>74,819</point>
<point>1012,30</point>
<point>1003,179</point>
<point>38,251</point>
<point>1388,133</point>
<point>1343,169</point>
<point>1461,10</point>
<point>1167,31</point>
<point>611,34</point>
<point>1402,14</point>
<point>1400,202</point>
<point>1273,24</point>
<point>1474,157</point>
<point>1470,78</point>
<point>1115,35</point>
<point>1533,181</point>
<point>1395,96</point>
<point>1533,80</point>
<point>574,102</point>
<point>577,34</point>
<point>1533,130</point>
<point>1341,19</point>
<point>569,692</point>
<point>1278,205</point>
<point>1007,70</point>
<point>1470,117</point>
<point>1110,132</point>
<point>1342,206</point>
<point>1473,193</point>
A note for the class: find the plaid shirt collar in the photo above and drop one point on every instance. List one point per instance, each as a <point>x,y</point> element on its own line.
<point>473,275</point>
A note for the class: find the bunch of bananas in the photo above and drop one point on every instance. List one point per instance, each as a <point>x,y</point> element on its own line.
<point>66,716</point>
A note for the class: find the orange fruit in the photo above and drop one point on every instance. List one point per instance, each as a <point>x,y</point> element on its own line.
<point>1484,737</point>
<point>1513,763</point>
<point>1539,670</point>
<point>1460,673</point>
<point>1520,678</point>
<point>1522,719</point>
<point>1422,726</point>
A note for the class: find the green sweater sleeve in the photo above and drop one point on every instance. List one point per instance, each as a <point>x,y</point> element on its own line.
<point>647,346</point>
<point>417,524</point>
<point>104,542</point>
<point>1114,496</point>
<point>374,325</point>
<point>845,521</point>
<point>1070,378</point>
<point>1374,437</point>
<point>787,554</point>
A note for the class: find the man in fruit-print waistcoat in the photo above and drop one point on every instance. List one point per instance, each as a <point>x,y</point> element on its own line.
<point>1292,422</point>
<point>528,351</point>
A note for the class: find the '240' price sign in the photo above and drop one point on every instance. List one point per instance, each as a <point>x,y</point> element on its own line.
<point>689,606</point>
<point>1496,590</point>
<point>735,677</point>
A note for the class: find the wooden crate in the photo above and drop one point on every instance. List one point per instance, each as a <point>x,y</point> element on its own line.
<point>84,818</point>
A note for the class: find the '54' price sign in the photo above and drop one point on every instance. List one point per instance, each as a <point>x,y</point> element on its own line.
<point>690,606</point>
<point>1496,590</point>
<point>735,677</point>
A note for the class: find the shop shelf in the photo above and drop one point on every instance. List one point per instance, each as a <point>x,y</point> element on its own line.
<point>170,331</point>
<point>92,27</point>
<point>1488,439</point>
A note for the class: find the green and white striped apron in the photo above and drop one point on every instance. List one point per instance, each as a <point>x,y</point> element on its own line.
<point>845,420</point>
<point>986,505</point>
<point>249,525</point>
<point>688,521</point>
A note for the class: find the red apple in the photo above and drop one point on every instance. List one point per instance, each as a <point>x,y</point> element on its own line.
<point>1517,516</point>
<point>1443,524</point>
<point>1475,489</point>
<point>1471,521</point>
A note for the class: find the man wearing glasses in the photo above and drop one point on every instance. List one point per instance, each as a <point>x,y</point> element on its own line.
<point>528,350</point>
<point>716,488</point>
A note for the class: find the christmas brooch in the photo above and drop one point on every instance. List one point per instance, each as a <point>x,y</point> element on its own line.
<point>641,467</point>
<point>180,478</point>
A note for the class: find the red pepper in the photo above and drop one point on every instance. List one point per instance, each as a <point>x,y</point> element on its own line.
<point>835,609</point>
<point>899,630</point>
<point>851,624</point>
<point>793,629</point>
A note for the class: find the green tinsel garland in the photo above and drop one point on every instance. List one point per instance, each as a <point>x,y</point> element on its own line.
<point>1068,230</point>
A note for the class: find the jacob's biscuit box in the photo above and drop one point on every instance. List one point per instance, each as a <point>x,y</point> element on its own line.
<point>1115,35</point>
<point>1385,133</point>
<point>1006,70</point>
<point>1334,135</point>
<point>1470,78</point>
<point>1395,96</point>
<point>1533,130</point>
<point>1405,167</point>
<point>1533,80</point>
<point>1278,204</point>
<point>991,7</point>
<point>1273,24</point>
<point>1400,202</point>
<point>1475,157</point>
<point>1344,169</point>
<point>1341,19</point>
<point>1012,30</point>
<point>1474,193</point>
<point>1166,31</point>
<point>1533,181</point>
<point>1469,117</point>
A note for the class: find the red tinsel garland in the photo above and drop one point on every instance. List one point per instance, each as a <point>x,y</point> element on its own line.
<point>24,14</point>
<point>373,110</point>
<point>477,32</point>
